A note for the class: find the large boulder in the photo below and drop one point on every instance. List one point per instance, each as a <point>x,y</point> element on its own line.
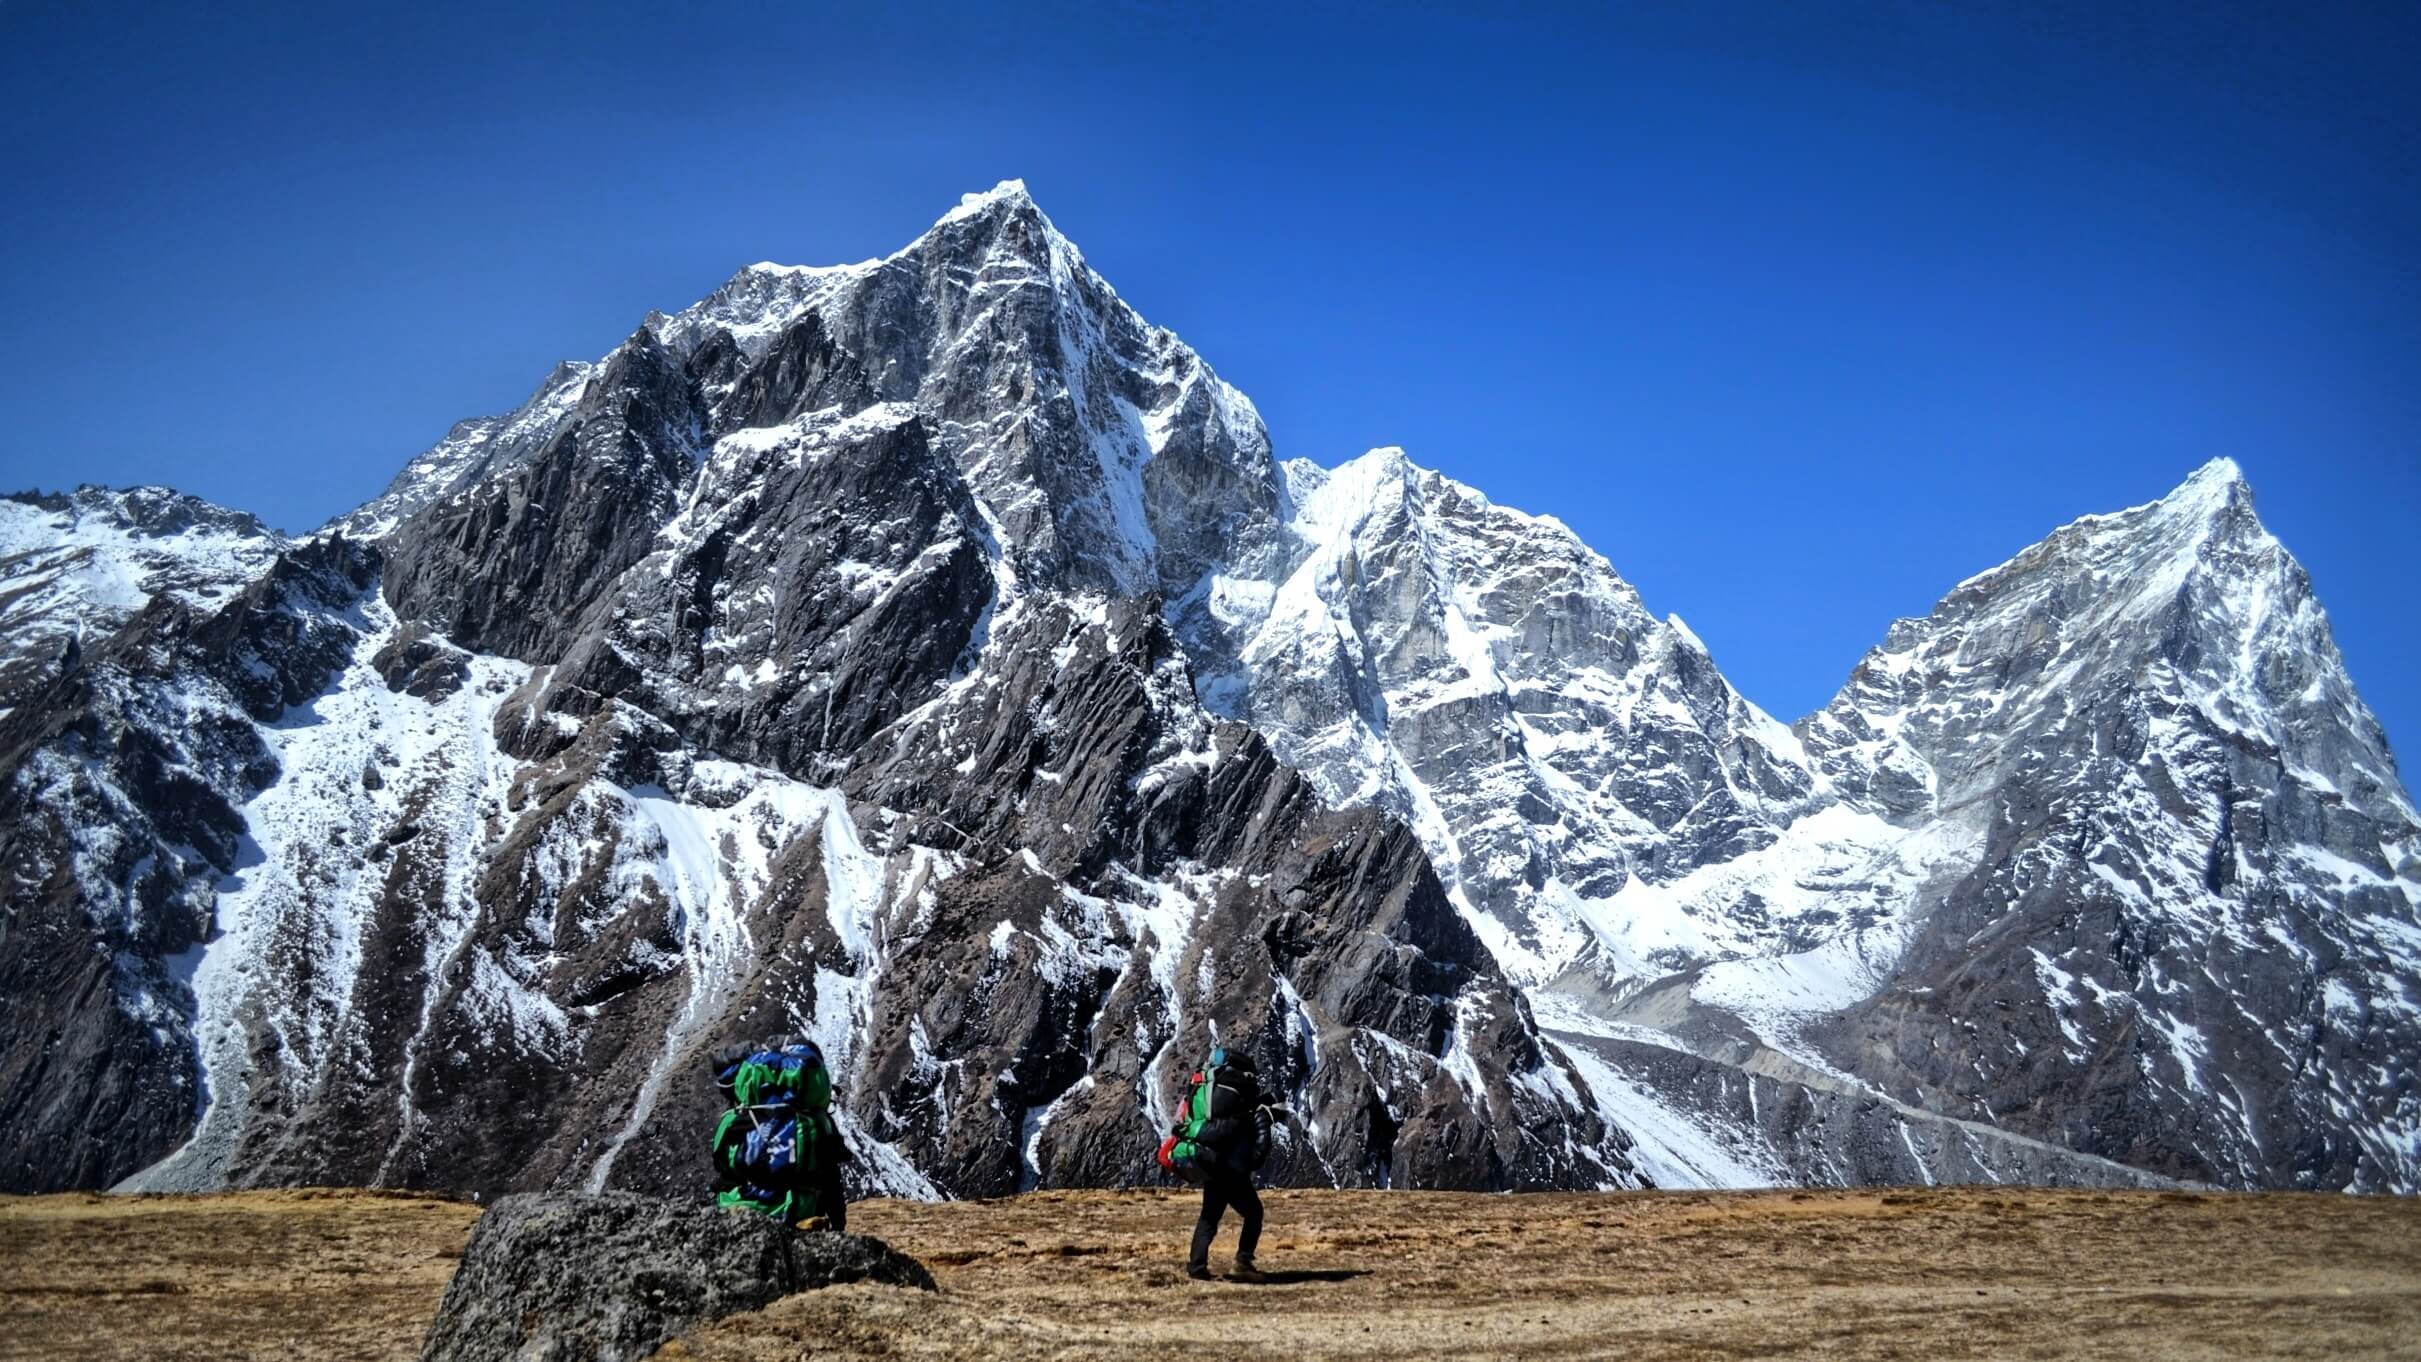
<point>564,1277</point>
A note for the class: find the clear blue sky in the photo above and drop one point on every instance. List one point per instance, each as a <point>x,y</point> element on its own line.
<point>1800,313</point>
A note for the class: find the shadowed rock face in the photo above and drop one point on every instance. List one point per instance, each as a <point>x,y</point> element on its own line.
<point>608,1278</point>
<point>1325,936</point>
<point>126,773</point>
<point>508,565</point>
<point>929,657</point>
<point>824,574</point>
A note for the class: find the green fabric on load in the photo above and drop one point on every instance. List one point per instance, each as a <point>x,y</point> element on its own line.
<point>810,1150</point>
<point>735,1199</point>
<point>1198,1110</point>
<point>725,1149</point>
<point>764,1084</point>
<point>765,1092</point>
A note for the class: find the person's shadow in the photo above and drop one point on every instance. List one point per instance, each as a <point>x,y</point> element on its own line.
<point>1296,1276</point>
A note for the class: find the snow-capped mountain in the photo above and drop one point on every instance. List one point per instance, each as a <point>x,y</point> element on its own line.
<point>931,656</point>
<point>796,667</point>
<point>1484,675</point>
<point>77,565</point>
<point>2114,860</point>
<point>2014,890</point>
<point>2186,936</point>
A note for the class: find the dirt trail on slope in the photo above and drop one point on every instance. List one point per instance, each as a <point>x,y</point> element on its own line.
<point>1897,1274</point>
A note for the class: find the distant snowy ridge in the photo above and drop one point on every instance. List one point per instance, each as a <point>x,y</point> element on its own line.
<point>77,565</point>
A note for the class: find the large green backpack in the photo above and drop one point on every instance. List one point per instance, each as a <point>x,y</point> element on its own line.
<point>1213,1118</point>
<point>775,1146</point>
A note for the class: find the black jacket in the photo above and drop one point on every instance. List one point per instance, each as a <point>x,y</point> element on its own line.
<point>1237,1128</point>
<point>1256,1149</point>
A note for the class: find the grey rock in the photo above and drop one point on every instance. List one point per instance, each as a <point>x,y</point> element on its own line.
<point>508,564</point>
<point>1487,677</point>
<point>563,1277</point>
<point>417,662</point>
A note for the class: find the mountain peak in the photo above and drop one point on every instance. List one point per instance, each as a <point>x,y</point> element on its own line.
<point>1001,221</point>
<point>2218,485</point>
<point>1008,199</point>
<point>2219,471</point>
<point>2211,511</point>
<point>1009,194</point>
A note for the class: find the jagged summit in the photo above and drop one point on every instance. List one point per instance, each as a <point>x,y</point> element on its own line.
<point>996,242</point>
<point>2213,499</point>
<point>2187,597</point>
<point>2220,470</point>
<point>1118,431</point>
<point>1006,200</point>
<point>2220,478</point>
<point>1010,195</point>
<point>1005,218</point>
<point>2214,495</point>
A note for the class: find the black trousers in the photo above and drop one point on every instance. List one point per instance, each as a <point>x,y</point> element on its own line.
<point>833,1203</point>
<point>1223,1189</point>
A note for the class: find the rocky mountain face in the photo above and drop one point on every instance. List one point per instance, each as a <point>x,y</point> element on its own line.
<point>930,656</point>
<point>2186,938</point>
<point>802,670</point>
<point>129,769</point>
<point>2105,854</point>
<point>1489,679</point>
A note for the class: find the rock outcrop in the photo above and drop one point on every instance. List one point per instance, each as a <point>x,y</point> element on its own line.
<point>609,1278</point>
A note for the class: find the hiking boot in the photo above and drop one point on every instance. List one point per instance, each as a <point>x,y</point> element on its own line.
<point>1198,1271</point>
<point>1246,1272</point>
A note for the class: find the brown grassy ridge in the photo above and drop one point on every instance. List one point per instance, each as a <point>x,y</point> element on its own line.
<point>1973,1272</point>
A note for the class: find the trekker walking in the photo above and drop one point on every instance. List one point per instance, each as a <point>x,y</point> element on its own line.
<point>1220,1140</point>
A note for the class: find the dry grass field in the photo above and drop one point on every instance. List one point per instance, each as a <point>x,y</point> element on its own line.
<point>1978,1273</point>
<point>310,1275</point>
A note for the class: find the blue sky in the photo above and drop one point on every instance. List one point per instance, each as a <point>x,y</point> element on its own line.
<point>1799,313</point>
